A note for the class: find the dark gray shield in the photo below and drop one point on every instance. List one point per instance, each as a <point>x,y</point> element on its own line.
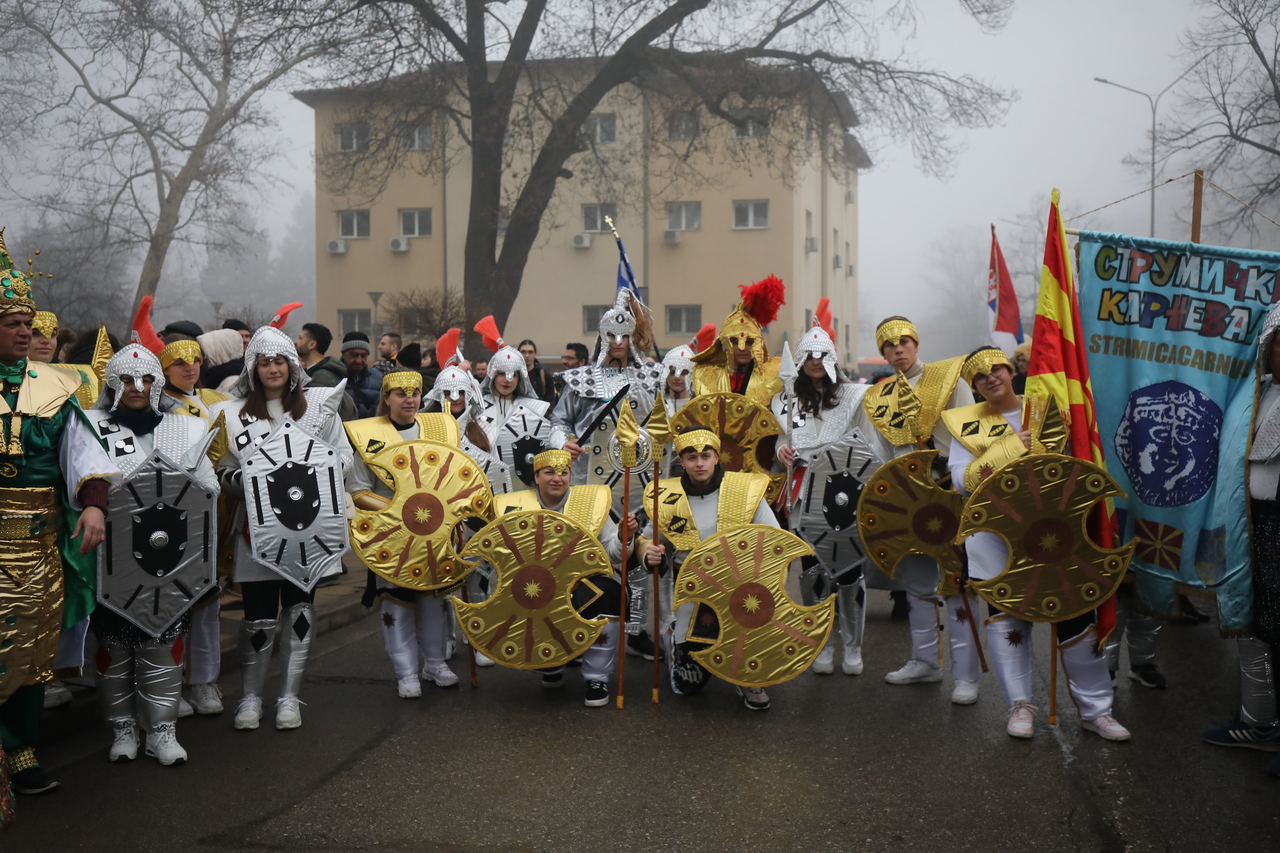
<point>825,513</point>
<point>295,495</point>
<point>159,538</point>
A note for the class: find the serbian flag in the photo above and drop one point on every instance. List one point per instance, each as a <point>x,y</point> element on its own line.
<point>1006,318</point>
<point>1059,368</point>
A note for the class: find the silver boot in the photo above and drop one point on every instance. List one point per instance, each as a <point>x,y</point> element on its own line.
<point>254,655</point>
<point>296,635</point>
<point>113,675</point>
<point>159,684</point>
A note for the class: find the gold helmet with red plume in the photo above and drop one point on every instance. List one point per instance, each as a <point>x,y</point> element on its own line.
<point>757,308</point>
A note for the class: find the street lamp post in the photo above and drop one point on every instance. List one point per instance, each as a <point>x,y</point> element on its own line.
<point>1154,102</point>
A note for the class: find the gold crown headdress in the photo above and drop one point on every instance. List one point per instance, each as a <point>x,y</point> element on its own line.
<point>698,439</point>
<point>559,461</point>
<point>408,381</point>
<point>188,351</point>
<point>892,331</point>
<point>982,362</point>
<point>16,293</point>
<point>46,323</point>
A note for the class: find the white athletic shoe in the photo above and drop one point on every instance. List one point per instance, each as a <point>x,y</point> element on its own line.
<point>824,663</point>
<point>1106,727</point>
<point>124,744</point>
<point>481,660</point>
<point>56,695</point>
<point>1021,720</point>
<point>914,672</point>
<point>964,692</point>
<point>409,687</point>
<point>206,699</point>
<point>852,663</point>
<point>249,713</point>
<point>162,745</point>
<point>439,674</point>
<point>288,712</point>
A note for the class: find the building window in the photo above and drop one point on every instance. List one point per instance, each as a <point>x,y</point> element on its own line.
<point>416,138</point>
<point>600,128</point>
<point>415,223</point>
<point>751,214</point>
<point>355,320</point>
<point>593,216</point>
<point>684,319</point>
<point>353,223</point>
<point>751,128</point>
<point>591,315</point>
<point>684,216</point>
<point>353,137</point>
<point>682,126</point>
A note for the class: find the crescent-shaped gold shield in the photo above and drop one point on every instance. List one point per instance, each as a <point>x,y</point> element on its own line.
<point>748,432</point>
<point>903,511</point>
<point>765,637</point>
<point>410,541</point>
<point>1040,505</point>
<point>529,621</point>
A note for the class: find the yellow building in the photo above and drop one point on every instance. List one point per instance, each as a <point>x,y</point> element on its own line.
<point>703,205</point>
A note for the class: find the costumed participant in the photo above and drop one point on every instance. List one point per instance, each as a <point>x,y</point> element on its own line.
<point>739,361</point>
<point>413,622</point>
<point>680,365</point>
<point>513,417</point>
<point>899,416</point>
<point>830,461</point>
<point>53,496</point>
<point>1257,725</point>
<point>703,500</point>
<point>585,420</point>
<point>44,337</point>
<point>145,591</point>
<point>271,392</point>
<point>563,594</point>
<point>986,436</point>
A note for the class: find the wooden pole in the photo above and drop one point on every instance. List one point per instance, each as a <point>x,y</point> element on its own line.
<point>1197,200</point>
<point>1053,673</point>
<point>622,598</point>
<point>973,626</point>
<point>657,591</point>
<point>471,650</point>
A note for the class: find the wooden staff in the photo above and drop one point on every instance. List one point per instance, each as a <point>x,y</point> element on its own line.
<point>1053,673</point>
<point>657,594</point>
<point>973,626</point>
<point>466,597</point>
<point>622,597</point>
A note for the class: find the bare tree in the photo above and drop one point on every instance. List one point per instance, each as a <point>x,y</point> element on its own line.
<point>424,314</point>
<point>146,117</point>
<point>511,76</point>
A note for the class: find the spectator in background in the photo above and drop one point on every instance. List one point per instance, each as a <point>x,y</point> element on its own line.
<point>240,326</point>
<point>82,352</point>
<point>575,355</point>
<point>410,358</point>
<point>181,330</point>
<point>223,359</point>
<point>1021,361</point>
<point>67,341</point>
<point>479,370</point>
<point>388,350</point>
<point>323,371</point>
<point>364,383</point>
<point>539,377</point>
<point>430,368</point>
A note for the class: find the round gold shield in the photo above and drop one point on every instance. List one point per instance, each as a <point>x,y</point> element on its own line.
<point>748,432</point>
<point>903,511</point>
<point>765,637</point>
<point>529,620</point>
<point>410,541</point>
<point>1040,505</point>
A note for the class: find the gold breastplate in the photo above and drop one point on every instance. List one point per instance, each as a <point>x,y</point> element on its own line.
<point>905,415</point>
<point>587,506</point>
<point>370,436</point>
<point>740,495</point>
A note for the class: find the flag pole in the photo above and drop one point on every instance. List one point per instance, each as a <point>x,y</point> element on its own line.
<point>657,591</point>
<point>622,597</point>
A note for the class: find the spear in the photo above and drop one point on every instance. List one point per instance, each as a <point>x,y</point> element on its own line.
<point>628,434</point>
<point>787,372</point>
<point>659,427</point>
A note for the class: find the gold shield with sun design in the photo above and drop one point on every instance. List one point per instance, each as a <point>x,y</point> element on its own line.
<point>748,432</point>
<point>903,511</point>
<point>765,637</point>
<point>529,620</point>
<point>1041,506</point>
<point>410,541</point>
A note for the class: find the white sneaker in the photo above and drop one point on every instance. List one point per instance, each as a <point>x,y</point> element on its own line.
<point>162,745</point>
<point>249,713</point>
<point>1106,727</point>
<point>824,664</point>
<point>1021,720</point>
<point>964,693</point>
<point>754,698</point>
<point>288,712</point>
<point>206,699</point>
<point>852,663</point>
<point>438,672</point>
<point>481,660</point>
<point>914,672</point>
<point>124,743</point>
<point>409,687</point>
<point>56,695</point>
<point>184,708</point>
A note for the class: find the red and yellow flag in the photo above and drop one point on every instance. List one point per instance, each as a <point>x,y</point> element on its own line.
<point>1059,368</point>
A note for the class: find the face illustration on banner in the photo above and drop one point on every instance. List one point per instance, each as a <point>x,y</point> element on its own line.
<point>1167,442</point>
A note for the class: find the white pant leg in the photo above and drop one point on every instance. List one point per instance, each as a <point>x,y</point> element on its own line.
<point>1087,676</point>
<point>399,637</point>
<point>923,618</point>
<point>598,661</point>
<point>71,646</point>
<point>433,626</point>
<point>204,661</point>
<point>1009,644</point>
<point>964,652</point>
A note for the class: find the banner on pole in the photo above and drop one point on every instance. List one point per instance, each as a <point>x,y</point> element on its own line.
<point>1171,328</point>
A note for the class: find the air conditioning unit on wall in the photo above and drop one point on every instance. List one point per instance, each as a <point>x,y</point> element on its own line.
<point>337,247</point>
<point>849,197</point>
<point>671,238</point>
<point>582,240</point>
<point>811,244</point>
<point>399,244</point>
<point>836,263</point>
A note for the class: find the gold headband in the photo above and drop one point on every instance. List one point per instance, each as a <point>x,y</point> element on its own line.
<point>15,293</point>
<point>982,362</point>
<point>557,460</point>
<point>188,351</point>
<point>46,323</point>
<point>698,439</point>
<point>892,331</point>
<point>408,381</point>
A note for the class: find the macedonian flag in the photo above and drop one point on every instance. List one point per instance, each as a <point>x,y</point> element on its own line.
<point>1059,367</point>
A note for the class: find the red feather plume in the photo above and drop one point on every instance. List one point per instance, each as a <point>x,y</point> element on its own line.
<point>282,316</point>
<point>447,347</point>
<point>823,316</point>
<point>488,330</point>
<point>142,327</point>
<point>763,299</point>
<point>706,337</point>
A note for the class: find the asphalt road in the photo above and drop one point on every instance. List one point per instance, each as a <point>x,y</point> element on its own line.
<point>838,763</point>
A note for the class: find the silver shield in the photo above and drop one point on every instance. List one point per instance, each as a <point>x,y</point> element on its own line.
<point>497,472</point>
<point>825,512</point>
<point>295,504</point>
<point>521,438</point>
<point>160,552</point>
<point>605,455</point>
